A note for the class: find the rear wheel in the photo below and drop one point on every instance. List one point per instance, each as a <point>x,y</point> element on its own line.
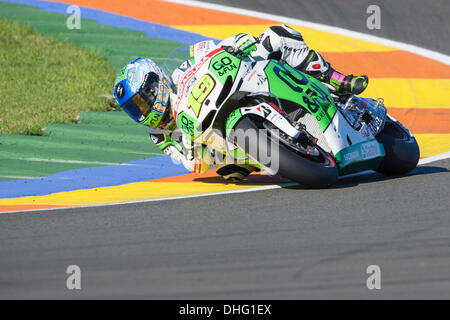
<point>402,150</point>
<point>306,164</point>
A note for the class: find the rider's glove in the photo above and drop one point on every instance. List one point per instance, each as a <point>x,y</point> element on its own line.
<point>246,44</point>
<point>196,165</point>
<point>243,43</point>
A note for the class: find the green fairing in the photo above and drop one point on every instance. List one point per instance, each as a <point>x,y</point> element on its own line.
<point>224,65</point>
<point>290,84</point>
<point>188,125</point>
<point>232,119</point>
<point>351,160</point>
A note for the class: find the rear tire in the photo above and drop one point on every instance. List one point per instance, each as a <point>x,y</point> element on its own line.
<point>402,150</point>
<point>292,165</point>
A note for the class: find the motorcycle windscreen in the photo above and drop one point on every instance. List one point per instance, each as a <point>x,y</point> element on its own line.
<point>176,58</point>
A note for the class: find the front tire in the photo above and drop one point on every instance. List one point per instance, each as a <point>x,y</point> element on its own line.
<point>402,150</point>
<point>291,165</point>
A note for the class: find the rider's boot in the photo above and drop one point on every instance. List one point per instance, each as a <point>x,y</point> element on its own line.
<point>317,67</point>
<point>234,172</point>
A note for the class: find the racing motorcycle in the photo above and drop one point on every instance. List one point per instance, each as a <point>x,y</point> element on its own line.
<point>319,136</point>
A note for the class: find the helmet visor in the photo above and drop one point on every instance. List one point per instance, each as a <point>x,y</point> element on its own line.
<point>138,107</point>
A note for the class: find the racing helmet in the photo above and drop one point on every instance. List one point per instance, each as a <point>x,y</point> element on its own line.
<point>142,89</point>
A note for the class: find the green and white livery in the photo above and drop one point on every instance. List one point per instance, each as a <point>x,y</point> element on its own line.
<point>319,136</point>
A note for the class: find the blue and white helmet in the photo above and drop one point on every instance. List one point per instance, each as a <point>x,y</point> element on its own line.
<point>142,89</point>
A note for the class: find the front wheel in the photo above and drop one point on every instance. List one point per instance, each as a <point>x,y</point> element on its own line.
<point>315,171</point>
<point>402,150</point>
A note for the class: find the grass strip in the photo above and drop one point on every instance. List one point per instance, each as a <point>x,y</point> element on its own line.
<point>47,80</point>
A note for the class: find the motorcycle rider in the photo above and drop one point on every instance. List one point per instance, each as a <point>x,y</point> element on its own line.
<point>145,92</point>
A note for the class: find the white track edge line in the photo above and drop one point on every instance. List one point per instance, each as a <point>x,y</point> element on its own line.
<point>269,187</point>
<point>322,27</point>
<point>438,157</point>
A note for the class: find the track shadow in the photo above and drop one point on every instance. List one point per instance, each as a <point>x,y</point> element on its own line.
<point>372,176</point>
<point>258,179</point>
<point>255,179</point>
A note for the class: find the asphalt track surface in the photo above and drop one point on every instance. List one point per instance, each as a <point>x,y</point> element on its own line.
<point>286,243</point>
<point>424,24</point>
